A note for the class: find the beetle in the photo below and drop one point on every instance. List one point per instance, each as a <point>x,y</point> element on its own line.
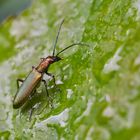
<point>35,77</point>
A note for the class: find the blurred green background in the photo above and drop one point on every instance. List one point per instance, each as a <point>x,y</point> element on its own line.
<point>99,96</point>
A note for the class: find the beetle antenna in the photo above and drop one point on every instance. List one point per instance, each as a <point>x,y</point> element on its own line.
<point>57,37</point>
<point>74,44</point>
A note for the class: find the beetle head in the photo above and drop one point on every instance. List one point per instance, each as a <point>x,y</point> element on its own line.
<point>53,59</point>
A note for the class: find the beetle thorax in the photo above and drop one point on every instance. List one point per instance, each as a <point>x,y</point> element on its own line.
<point>44,64</point>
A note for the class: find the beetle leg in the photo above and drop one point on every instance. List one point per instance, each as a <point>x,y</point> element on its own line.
<point>53,77</point>
<point>33,67</point>
<point>35,91</point>
<point>49,98</point>
<point>19,80</point>
<point>45,83</point>
<point>30,113</point>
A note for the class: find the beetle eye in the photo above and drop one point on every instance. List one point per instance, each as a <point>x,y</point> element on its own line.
<point>57,59</point>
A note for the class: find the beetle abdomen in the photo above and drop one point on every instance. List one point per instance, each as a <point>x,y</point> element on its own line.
<point>27,87</point>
